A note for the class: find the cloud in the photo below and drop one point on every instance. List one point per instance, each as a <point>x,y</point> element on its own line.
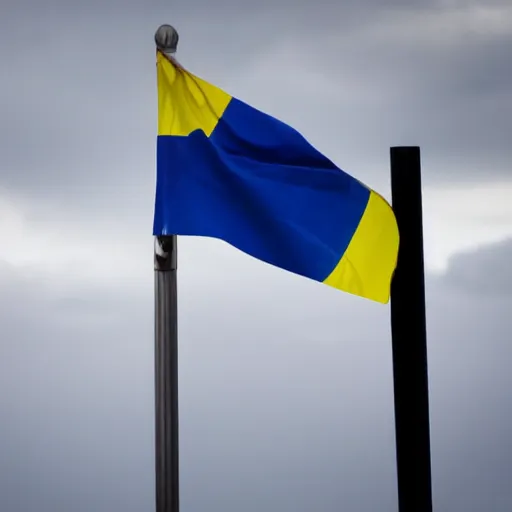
<point>485,270</point>
<point>464,218</point>
<point>285,386</point>
<point>79,116</point>
<point>67,377</point>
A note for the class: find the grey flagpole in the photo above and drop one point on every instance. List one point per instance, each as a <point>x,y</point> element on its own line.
<point>166,348</point>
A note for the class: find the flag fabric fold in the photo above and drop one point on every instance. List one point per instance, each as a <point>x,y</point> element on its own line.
<point>229,171</point>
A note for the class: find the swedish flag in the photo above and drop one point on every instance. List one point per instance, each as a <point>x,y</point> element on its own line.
<point>227,170</point>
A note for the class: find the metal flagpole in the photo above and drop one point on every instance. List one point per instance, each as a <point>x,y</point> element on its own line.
<point>166,349</point>
<point>409,337</point>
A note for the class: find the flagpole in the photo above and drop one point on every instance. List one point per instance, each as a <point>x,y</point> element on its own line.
<point>166,349</point>
<point>409,337</point>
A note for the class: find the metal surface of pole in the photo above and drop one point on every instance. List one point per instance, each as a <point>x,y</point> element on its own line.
<point>409,337</point>
<point>166,376</point>
<point>166,349</point>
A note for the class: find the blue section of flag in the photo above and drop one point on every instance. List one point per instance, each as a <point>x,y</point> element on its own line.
<point>259,185</point>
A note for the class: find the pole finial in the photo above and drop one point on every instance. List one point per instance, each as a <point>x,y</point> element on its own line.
<point>166,39</point>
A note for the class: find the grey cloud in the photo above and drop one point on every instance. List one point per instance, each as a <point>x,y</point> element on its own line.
<point>76,383</point>
<point>483,270</point>
<point>469,351</point>
<point>286,396</point>
<point>68,381</point>
<point>78,116</point>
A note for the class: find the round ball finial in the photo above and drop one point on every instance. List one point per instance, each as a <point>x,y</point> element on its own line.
<point>166,39</point>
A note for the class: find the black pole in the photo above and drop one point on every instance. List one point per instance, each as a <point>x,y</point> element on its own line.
<point>409,337</point>
<point>166,375</point>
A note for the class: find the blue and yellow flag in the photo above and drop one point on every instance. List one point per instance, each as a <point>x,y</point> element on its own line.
<point>227,170</point>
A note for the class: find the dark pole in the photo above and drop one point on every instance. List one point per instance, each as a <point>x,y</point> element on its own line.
<point>166,376</point>
<point>409,337</point>
<point>166,349</point>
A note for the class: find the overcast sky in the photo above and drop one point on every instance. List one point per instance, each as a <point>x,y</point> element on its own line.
<point>286,404</point>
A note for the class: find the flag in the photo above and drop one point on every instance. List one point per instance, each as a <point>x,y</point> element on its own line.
<point>229,171</point>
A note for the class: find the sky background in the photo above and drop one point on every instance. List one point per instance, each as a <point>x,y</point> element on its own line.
<point>286,385</point>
